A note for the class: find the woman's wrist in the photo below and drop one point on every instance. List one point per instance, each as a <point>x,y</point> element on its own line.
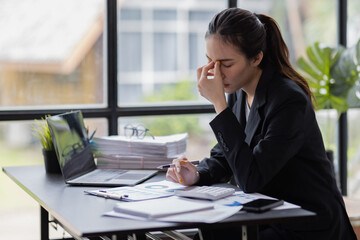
<point>220,107</point>
<point>197,177</point>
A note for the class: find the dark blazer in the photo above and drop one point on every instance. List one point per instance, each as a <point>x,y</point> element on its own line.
<point>279,152</point>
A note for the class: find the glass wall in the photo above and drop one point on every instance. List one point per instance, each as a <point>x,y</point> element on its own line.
<point>303,23</point>
<point>353,115</point>
<point>200,136</point>
<point>20,147</point>
<point>161,43</point>
<point>51,57</point>
<point>160,49</point>
<point>51,54</point>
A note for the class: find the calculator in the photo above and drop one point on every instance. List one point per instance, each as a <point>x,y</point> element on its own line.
<point>205,192</point>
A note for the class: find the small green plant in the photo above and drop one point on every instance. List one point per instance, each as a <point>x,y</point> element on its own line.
<point>42,132</point>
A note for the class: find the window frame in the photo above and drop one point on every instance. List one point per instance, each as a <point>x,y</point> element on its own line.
<point>112,111</point>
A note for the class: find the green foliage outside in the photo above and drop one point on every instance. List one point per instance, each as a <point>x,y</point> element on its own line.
<point>181,91</point>
<point>12,197</point>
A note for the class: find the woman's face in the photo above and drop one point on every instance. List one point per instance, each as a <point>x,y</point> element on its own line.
<point>237,71</point>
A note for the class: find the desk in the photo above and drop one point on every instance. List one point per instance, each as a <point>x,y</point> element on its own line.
<point>81,214</point>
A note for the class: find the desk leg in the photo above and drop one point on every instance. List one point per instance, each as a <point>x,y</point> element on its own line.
<point>250,232</point>
<point>139,236</point>
<point>118,237</point>
<point>44,224</point>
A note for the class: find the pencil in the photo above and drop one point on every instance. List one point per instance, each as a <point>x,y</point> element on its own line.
<point>166,166</point>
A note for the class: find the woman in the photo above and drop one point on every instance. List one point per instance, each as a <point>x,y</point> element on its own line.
<point>268,137</point>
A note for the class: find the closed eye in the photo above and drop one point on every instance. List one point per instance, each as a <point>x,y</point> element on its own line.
<point>226,66</point>
<point>222,62</point>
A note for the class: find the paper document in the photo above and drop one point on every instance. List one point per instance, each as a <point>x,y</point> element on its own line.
<point>139,192</point>
<point>216,213</point>
<point>223,208</point>
<point>157,208</point>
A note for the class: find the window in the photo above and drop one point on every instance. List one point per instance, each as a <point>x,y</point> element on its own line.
<point>18,147</point>
<point>130,49</point>
<point>57,56</point>
<point>302,23</point>
<point>200,136</point>
<point>353,115</point>
<point>51,54</point>
<point>165,52</point>
<point>161,44</point>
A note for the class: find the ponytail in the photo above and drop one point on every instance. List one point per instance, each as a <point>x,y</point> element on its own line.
<point>254,33</point>
<point>277,54</point>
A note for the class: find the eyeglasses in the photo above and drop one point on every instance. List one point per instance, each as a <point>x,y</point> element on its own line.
<point>138,131</point>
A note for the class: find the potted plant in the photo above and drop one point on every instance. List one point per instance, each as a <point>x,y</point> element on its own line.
<point>332,73</point>
<point>42,132</point>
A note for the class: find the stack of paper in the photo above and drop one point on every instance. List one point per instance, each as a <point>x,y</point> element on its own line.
<point>123,152</point>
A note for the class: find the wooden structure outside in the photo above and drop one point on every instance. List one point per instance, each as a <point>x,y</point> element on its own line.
<point>55,56</point>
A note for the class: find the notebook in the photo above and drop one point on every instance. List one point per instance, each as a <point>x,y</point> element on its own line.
<point>75,157</point>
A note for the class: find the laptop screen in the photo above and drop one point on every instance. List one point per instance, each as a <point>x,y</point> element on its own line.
<point>71,144</point>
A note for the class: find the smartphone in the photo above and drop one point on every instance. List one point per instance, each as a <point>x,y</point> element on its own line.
<point>262,204</point>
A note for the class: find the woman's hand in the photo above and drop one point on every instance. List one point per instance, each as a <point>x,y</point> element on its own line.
<point>184,172</point>
<point>212,88</point>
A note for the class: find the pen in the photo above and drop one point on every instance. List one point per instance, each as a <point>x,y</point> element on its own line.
<point>106,194</point>
<point>173,165</point>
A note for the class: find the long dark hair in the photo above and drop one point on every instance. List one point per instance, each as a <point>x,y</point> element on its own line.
<point>252,33</point>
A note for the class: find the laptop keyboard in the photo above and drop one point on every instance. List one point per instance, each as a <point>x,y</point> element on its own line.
<point>100,175</point>
<point>132,176</point>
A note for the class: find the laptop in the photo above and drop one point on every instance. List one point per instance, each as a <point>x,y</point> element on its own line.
<point>77,164</point>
